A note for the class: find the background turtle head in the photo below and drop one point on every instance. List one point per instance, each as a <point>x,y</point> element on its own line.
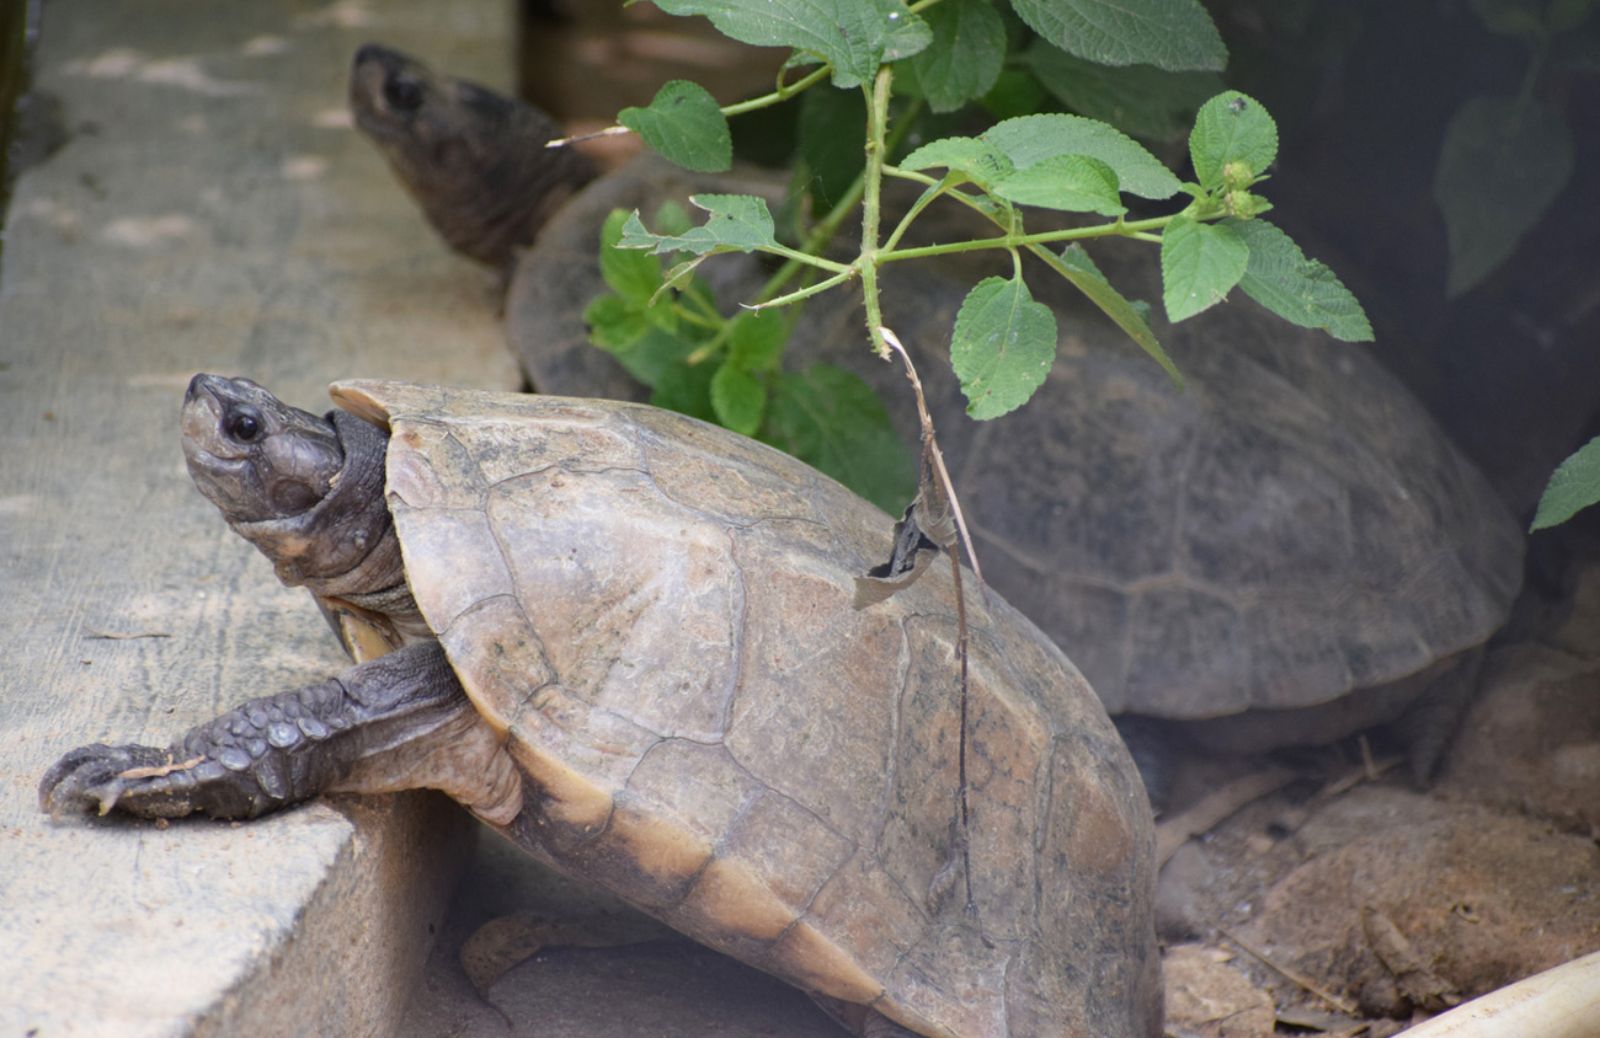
<point>252,455</point>
<point>474,160</point>
<point>439,133</point>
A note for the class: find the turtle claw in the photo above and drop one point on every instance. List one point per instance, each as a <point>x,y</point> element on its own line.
<point>138,780</point>
<point>92,778</point>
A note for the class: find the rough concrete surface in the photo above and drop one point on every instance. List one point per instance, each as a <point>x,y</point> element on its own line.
<point>208,209</point>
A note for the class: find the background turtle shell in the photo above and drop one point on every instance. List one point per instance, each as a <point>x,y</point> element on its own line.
<point>659,614</point>
<point>1288,528</point>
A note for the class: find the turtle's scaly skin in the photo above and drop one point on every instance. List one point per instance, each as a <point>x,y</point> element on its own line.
<point>658,614</point>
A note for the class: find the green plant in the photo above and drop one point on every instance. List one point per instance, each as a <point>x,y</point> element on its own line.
<point>1574,486</point>
<point>1506,157</point>
<point>892,69</point>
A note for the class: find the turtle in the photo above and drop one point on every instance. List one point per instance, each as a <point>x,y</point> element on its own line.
<point>1286,551</point>
<point>629,642</point>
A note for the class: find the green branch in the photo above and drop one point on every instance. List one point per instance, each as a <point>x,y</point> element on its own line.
<point>1122,229</point>
<point>871,205</point>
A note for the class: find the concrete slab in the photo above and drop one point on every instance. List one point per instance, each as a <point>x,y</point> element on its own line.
<point>209,210</point>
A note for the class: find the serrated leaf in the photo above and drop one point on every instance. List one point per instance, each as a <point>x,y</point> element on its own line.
<point>1139,99</point>
<point>1132,316</point>
<point>854,36</point>
<point>756,340</point>
<point>633,275</point>
<point>614,323</point>
<point>1002,346</point>
<point>832,420</point>
<point>686,389</point>
<point>1232,128</point>
<point>1200,264</point>
<point>1300,290</point>
<point>738,398</point>
<point>833,124</point>
<point>1503,163</point>
<point>977,160</point>
<point>738,223</point>
<point>1169,34</point>
<point>1574,486</point>
<point>683,124</point>
<point>965,56</point>
<point>1034,138</point>
<point>909,34</point>
<point>1072,183</point>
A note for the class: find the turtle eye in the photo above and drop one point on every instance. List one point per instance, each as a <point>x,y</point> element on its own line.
<point>403,93</point>
<point>242,425</point>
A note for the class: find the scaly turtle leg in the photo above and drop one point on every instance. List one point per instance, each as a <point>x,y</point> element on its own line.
<point>401,721</point>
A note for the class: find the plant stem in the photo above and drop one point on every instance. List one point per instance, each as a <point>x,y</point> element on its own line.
<point>1110,230</point>
<point>781,94</point>
<point>871,205</point>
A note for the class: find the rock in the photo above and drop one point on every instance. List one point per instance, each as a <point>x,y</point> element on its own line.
<point>1208,998</point>
<point>1472,896</point>
<point>1531,741</point>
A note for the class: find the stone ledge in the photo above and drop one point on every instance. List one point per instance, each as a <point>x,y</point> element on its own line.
<point>208,211</point>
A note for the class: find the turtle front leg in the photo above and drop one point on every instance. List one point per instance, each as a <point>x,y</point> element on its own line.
<point>401,721</point>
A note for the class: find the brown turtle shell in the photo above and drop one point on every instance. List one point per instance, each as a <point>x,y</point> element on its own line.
<point>659,615</point>
<point>1290,527</point>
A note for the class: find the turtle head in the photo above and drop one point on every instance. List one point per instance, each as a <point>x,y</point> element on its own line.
<point>254,456</point>
<point>474,160</point>
<point>307,491</point>
<point>437,132</point>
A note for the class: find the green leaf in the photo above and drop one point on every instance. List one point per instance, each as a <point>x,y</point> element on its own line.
<point>854,36</point>
<point>1200,264</point>
<point>738,398</point>
<point>1169,34</point>
<point>1131,316</point>
<point>1034,138</point>
<point>756,340</point>
<point>1503,163</point>
<point>651,357</point>
<point>686,388</point>
<point>684,125</point>
<point>738,223</point>
<point>909,34</point>
<point>830,419</point>
<point>977,160</point>
<point>1072,183</point>
<point>1511,17</point>
<point>964,59</point>
<point>1002,346</point>
<point>833,124</point>
<point>614,323</point>
<point>1138,99</point>
<point>632,274</point>
<point>1566,15</point>
<point>1574,486</point>
<point>1232,130</point>
<point>1017,92</point>
<point>672,218</point>
<point>1302,291</point>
